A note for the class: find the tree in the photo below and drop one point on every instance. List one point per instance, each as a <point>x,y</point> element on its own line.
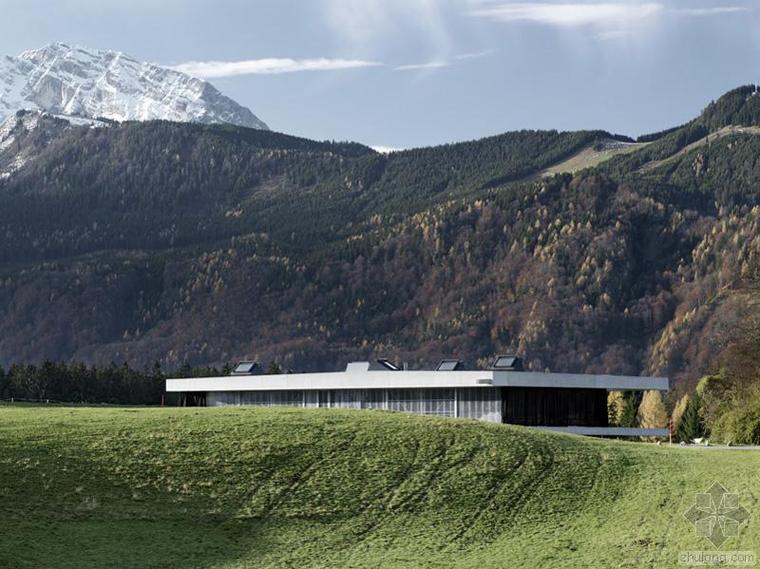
<point>628,417</point>
<point>274,368</point>
<point>616,406</point>
<point>652,413</point>
<point>714,392</point>
<point>678,412</point>
<point>691,426</point>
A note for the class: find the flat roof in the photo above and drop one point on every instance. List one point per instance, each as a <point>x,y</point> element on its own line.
<point>415,380</point>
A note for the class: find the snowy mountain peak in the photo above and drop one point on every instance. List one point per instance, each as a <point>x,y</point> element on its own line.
<point>75,81</point>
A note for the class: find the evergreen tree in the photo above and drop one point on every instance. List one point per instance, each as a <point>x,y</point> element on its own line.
<point>690,426</point>
<point>628,417</point>
<point>116,384</point>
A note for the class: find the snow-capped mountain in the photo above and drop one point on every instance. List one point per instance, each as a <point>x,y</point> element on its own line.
<point>75,81</point>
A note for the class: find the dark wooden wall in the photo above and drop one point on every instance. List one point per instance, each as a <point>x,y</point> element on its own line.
<point>192,399</point>
<point>538,406</point>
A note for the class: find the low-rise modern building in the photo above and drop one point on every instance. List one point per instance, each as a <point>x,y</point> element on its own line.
<point>567,402</point>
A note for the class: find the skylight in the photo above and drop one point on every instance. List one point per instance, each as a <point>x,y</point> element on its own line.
<point>449,365</point>
<point>508,363</point>
<point>245,368</point>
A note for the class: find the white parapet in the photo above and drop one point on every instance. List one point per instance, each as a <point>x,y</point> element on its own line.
<point>361,379</point>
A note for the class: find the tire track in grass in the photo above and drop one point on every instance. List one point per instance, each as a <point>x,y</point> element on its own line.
<point>348,536</point>
<point>497,489</point>
<point>523,495</point>
<point>298,479</point>
<point>428,477</point>
<point>508,500</point>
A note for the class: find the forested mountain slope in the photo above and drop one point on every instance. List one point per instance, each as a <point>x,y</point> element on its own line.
<point>203,244</point>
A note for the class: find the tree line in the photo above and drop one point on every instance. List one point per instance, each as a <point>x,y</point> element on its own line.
<point>62,382</point>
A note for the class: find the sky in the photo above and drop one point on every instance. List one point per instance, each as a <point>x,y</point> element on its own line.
<point>407,73</point>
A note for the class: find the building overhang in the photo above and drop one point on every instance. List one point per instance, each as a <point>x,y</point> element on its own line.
<point>609,431</point>
<point>579,381</point>
<point>415,380</point>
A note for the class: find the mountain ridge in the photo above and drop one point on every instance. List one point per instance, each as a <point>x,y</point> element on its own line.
<point>91,83</point>
<point>188,243</point>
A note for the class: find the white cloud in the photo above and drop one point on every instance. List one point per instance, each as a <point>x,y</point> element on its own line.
<point>475,55</point>
<point>368,25</point>
<point>715,11</point>
<point>603,15</point>
<point>616,19</point>
<point>437,64</point>
<point>268,66</point>
<point>376,28</point>
<point>614,34</point>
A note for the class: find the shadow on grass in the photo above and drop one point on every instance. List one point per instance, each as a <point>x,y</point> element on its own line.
<point>76,544</point>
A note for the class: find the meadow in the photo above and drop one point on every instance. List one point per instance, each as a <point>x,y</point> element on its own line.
<point>243,487</point>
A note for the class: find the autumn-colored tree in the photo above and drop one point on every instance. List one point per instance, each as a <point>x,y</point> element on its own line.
<point>652,413</point>
<point>678,412</point>
<point>616,405</point>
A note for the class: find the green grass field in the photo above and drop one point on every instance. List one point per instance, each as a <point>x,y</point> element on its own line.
<point>231,488</point>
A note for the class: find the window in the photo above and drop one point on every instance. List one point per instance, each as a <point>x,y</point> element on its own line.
<point>422,401</point>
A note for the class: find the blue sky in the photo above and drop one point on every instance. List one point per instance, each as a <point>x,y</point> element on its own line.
<point>402,73</point>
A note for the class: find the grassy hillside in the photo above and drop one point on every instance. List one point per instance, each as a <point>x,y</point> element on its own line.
<point>229,488</point>
<point>593,155</point>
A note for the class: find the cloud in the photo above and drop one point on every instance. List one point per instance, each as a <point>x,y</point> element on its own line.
<point>475,55</point>
<point>268,66</point>
<point>616,18</point>
<point>274,66</point>
<point>604,15</point>
<point>437,64</point>
<point>371,24</point>
<point>614,34</point>
<point>715,11</point>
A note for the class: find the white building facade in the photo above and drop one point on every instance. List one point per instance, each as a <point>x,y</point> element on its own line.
<point>575,403</point>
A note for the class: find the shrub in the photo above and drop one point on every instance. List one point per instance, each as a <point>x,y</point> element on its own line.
<point>740,421</point>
